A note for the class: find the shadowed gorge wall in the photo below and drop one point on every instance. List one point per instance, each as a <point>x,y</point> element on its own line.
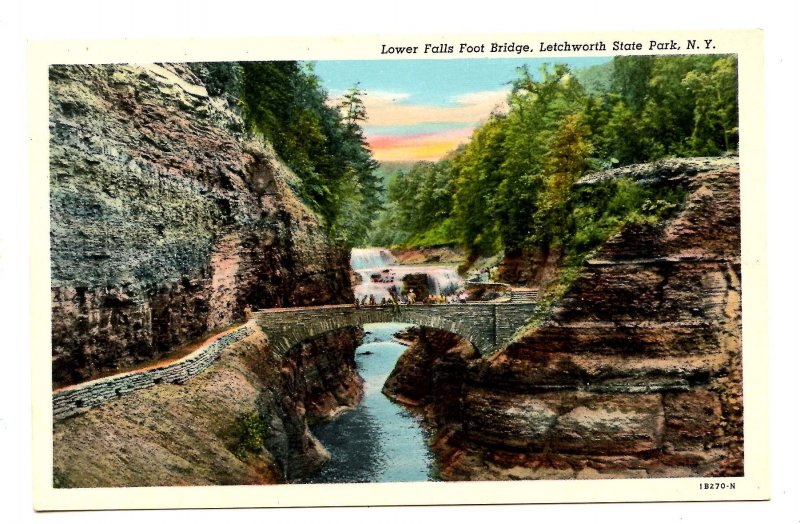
<point>167,219</point>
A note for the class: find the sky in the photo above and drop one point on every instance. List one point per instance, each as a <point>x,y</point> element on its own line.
<point>422,109</point>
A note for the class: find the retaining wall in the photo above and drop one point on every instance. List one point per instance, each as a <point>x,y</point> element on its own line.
<point>80,397</point>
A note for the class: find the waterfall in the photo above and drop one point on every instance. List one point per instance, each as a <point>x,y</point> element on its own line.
<point>381,276</point>
<point>443,280</point>
<point>370,258</point>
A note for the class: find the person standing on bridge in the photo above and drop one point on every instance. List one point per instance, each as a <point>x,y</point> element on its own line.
<point>411,297</point>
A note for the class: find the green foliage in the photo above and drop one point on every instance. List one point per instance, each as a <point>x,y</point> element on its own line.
<point>323,145</point>
<point>512,184</point>
<point>419,207</point>
<point>249,434</point>
<point>568,151</point>
<point>596,80</point>
<point>601,210</point>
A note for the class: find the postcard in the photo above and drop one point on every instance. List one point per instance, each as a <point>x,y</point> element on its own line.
<point>460,269</point>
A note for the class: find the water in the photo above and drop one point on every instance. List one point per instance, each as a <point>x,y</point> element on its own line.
<point>379,441</point>
<point>370,257</point>
<point>380,274</point>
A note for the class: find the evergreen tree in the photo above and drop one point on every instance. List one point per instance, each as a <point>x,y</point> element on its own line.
<point>285,102</point>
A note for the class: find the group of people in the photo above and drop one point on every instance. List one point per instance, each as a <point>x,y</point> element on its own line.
<point>409,299</point>
<point>443,299</point>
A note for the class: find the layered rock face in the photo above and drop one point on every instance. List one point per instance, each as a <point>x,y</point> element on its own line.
<point>422,373</point>
<point>530,267</point>
<point>166,219</point>
<point>243,421</point>
<point>637,371</point>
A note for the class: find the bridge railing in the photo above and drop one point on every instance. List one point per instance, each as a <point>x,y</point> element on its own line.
<point>485,325</point>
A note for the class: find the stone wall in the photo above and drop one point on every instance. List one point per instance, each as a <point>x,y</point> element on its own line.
<point>485,326</point>
<point>79,398</point>
<point>167,219</point>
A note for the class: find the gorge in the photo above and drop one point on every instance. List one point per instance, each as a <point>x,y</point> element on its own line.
<point>171,222</point>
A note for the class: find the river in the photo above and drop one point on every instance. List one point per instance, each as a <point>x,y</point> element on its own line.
<point>379,441</point>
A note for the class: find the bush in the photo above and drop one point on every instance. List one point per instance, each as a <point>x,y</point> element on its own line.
<point>250,430</point>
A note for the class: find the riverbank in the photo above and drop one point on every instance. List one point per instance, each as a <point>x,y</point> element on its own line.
<point>379,440</point>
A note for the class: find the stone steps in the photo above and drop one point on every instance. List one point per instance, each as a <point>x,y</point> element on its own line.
<point>524,296</point>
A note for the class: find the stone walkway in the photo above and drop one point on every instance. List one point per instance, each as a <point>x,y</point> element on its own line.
<point>71,400</point>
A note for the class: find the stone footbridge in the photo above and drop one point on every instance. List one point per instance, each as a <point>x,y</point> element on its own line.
<point>487,326</point>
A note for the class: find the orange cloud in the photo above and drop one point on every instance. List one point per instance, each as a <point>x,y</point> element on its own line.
<point>424,146</point>
<point>392,110</point>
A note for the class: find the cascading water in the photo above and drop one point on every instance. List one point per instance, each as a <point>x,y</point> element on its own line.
<point>380,276</point>
<point>370,257</point>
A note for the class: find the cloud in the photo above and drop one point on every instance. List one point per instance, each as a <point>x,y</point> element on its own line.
<point>398,129</point>
<point>420,146</point>
<point>371,97</point>
<point>469,108</point>
<point>387,96</point>
<point>496,97</point>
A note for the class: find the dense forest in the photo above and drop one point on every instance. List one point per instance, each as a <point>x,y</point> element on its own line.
<point>511,186</point>
<point>323,144</point>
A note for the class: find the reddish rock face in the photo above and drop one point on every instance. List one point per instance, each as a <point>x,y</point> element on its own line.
<point>637,371</point>
<point>532,267</point>
<point>166,219</point>
<point>413,380</point>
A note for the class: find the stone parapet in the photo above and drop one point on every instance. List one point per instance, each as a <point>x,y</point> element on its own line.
<point>485,326</point>
<point>75,399</point>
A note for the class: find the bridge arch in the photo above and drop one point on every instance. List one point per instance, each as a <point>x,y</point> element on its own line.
<point>485,326</point>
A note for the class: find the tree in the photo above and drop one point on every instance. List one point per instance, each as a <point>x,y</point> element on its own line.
<point>354,109</point>
<point>716,108</point>
<point>536,110</point>
<point>285,102</point>
<point>568,150</point>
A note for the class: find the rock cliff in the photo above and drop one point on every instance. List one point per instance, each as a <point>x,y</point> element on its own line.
<point>167,219</point>
<point>635,373</point>
<point>242,421</point>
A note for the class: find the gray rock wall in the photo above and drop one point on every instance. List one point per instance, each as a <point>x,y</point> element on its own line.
<point>167,219</point>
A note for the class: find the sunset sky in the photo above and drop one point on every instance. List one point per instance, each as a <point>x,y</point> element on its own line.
<point>421,109</point>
